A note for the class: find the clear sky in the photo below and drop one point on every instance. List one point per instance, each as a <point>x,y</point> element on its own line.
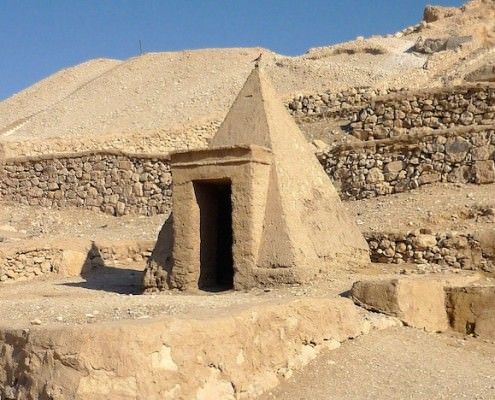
<point>39,37</point>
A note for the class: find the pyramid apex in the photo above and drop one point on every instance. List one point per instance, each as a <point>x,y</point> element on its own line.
<point>246,122</point>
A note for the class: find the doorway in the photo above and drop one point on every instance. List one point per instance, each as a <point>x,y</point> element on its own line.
<point>214,199</point>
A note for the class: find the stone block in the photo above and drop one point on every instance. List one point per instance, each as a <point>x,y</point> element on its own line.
<point>471,310</point>
<point>484,171</point>
<point>418,302</point>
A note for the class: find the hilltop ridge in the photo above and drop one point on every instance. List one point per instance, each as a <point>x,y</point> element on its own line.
<point>167,92</point>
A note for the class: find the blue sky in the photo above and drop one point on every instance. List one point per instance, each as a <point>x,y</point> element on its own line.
<point>39,37</point>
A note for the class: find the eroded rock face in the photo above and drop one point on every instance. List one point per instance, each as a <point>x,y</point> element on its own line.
<point>435,13</point>
<point>430,46</point>
<point>471,310</point>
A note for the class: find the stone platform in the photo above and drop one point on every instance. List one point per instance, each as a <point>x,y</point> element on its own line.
<point>91,339</point>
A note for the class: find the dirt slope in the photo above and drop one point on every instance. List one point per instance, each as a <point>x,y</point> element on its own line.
<point>158,91</point>
<point>52,89</point>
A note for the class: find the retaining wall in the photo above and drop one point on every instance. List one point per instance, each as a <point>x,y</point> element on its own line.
<point>447,108</point>
<point>382,167</point>
<point>447,249</point>
<point>380,114</point>
<point>110,181</point>
<point>33,259</point>
<point>119,183</point>
<point>320,104</point>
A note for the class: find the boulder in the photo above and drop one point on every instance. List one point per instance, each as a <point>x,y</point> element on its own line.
<point>484,171</point>
<point>435,13</point>
<point>419,303</point>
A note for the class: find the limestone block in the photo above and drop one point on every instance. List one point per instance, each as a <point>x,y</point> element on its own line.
<point>423,242</point>
<point>471,310</point>
<point>486,239</point>
<point>419,303</point>
<point>375,175</point>
<point>394,167</point>
<point>457,149</point>
<point>73,262</point>
<point>484,171</point>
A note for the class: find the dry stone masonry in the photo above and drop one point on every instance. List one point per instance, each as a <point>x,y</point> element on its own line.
<point>446,108</point>
<point>374,168</point>
<point>329,103</point>
<point>29,263</point>
<point>119,183</point>
<point>446,249</point>
<point>113,182</point>
<point>380,114</point>
<point>35,260</point>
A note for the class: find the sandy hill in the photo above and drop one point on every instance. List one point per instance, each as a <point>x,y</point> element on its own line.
<point>170,91</point>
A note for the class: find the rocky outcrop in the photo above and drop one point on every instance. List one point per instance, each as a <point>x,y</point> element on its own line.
<point>435,13</point>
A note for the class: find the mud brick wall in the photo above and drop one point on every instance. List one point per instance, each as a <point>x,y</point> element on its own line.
<point>389,166</point>
<point>454,250</point>
<point>113,182</point>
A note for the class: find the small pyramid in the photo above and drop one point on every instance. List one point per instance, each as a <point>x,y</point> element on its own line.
<point>305,226</point>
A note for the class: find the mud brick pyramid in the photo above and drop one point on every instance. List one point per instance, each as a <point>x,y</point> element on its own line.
<point>256,208</point>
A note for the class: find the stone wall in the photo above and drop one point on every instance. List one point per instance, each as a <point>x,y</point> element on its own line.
<point>30,263</point>
<point>120,183</point>
<point>33,260</point>
<point>448,249</point>
<point>334,103</point>
<point>113,182</point>
<point>382,167</point>
<point>447,108</point>
<point>379,114</point>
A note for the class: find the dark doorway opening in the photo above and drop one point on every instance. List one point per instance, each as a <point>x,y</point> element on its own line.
<point>216,260</point>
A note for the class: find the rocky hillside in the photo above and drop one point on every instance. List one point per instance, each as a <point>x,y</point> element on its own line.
<point>171,91</point>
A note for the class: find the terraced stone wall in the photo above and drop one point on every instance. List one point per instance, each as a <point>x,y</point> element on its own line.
<point>31,260</point>
<point>382,167</point>
<point>447,108</point>
<point>30,263</point>
<point>119,183</point>
<point>380,114</point>
<point>113,182</point>
<point>337,103</point>
<point>445,250</point>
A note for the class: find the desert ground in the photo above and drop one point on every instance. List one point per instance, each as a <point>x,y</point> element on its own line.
<point>84,178</point>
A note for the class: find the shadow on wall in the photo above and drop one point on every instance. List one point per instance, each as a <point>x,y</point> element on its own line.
<point>100,276</point>
<point>159,264</point>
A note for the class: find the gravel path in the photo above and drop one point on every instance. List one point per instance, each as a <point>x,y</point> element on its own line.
<point>398,363</point>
